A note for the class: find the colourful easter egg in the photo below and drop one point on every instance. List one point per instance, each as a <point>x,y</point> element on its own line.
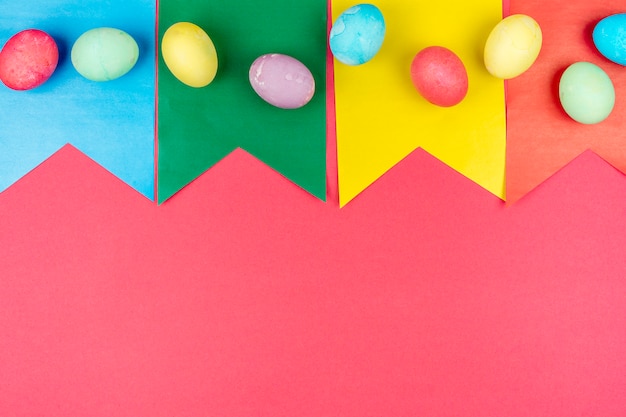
<point>282,81</point>
<point>512,46</point>
<point>189,54</point>
<point>104,54</point>
<point>28,59</point>
<point>609,37</point>
<point>357,35</point>
<point>440,76</point>
<point>586,93</point>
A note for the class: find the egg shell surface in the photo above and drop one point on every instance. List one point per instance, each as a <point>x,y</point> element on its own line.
<point>282,81</point>
<point>609,37</point>
<point>28,59</point>
<point>104,54</point>
<point>440,76</point>
<point>512,46</point>
<point>189,54</point>
<point>357,34</point>
<point>586,93</point>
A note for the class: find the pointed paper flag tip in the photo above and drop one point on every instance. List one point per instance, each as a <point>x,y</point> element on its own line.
<point>63,166</point>
<point>412,158</point>
<point>317,190</point>
<point>231,165</point>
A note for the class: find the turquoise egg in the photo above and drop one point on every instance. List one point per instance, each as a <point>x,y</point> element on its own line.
<point>609,36</point>
<point>357,35</point>
<point>104,54</point>
<point>586,93</point>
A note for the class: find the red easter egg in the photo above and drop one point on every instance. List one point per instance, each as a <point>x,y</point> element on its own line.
<point>28,59</point>
<point>439,76</point>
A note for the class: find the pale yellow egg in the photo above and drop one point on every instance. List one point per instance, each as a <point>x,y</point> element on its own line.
<point>512,46</point>
<point>189,54</point>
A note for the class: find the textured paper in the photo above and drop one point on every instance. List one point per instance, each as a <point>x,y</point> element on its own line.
<point>381,117</point>
<point>198,127</point>
<point>541,137</point>
<point>112,122</point>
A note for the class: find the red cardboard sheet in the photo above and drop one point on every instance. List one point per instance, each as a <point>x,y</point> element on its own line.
<point>541,138</point>
<point>425,296</point>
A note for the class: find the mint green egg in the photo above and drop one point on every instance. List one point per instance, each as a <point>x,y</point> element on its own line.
<point>104,54</point>
<point>586,93</point>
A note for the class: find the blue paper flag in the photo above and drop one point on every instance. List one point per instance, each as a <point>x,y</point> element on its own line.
<point>111,122</point>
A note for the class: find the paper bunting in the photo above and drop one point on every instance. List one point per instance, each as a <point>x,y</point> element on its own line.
<point>112,122</point>
<point>541,138</point>
<point>198,127</point>
<point>381,118</point>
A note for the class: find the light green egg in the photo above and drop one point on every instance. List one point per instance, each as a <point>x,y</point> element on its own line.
<point>104,54</point>
<point>586,93</point>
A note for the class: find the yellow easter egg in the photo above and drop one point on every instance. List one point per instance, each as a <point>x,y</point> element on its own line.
<point>189,54</point>
<point>512,46</point>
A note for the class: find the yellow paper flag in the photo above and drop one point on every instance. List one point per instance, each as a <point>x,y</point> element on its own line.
<point>381,117</point>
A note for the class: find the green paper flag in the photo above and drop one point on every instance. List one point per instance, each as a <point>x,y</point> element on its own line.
<point>197,127</point>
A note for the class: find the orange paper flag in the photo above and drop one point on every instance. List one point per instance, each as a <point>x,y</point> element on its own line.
<point>541,137</point>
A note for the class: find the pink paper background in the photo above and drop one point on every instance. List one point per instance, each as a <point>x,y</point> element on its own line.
<point>245,296</point>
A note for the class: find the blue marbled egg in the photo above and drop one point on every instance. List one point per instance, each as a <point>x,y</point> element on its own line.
<point>609,36</point>
<point>357,34</point>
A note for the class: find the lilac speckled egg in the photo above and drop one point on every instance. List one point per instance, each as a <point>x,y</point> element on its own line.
<point>282,81</point>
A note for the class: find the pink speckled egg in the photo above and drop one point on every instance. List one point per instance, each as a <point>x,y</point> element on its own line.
<point>28,59</point>
<point>440,76</point>
<point>282,81</point>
